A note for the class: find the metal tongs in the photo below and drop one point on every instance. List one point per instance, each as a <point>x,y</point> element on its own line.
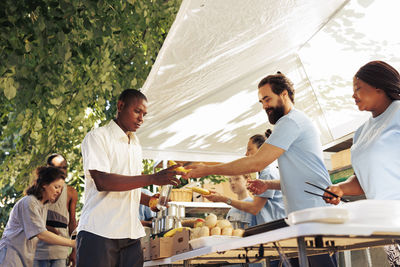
<point>323,189</point>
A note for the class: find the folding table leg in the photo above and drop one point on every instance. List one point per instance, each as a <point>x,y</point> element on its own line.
<point>303,261</point>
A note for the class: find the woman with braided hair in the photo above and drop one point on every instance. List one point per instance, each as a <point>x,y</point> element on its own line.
<point>376,144</point>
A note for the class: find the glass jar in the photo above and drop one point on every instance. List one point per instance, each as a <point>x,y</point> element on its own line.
<point>164,196</point>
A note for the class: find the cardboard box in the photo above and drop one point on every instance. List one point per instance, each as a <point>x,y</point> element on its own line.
<point>165,247</point>
<point>181,242</point>
<point>341,159</point>
<point>146,250</point>
<point>161,247</point>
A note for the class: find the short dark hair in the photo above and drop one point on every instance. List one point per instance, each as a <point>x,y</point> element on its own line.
<point>131,94</point>
<point>279,83</point>
<point>51,157</point>
<point>381,75</point>
<point>45,175</point>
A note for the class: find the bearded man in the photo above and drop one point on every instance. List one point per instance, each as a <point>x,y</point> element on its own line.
<point>294,142</point>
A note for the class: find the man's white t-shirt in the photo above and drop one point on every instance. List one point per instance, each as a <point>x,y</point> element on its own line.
<point>113,215</point>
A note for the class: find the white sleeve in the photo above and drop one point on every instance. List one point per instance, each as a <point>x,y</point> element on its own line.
<point>94,153</point>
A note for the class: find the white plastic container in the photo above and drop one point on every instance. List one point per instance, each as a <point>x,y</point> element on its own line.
<point>363,212</point>
<point>319,214</point>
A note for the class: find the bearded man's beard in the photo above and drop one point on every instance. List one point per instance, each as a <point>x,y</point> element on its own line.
<point>276,113</point>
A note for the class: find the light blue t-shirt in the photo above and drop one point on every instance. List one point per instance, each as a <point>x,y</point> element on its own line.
<point>302,161</point>
<point>274,208</point>
<point>375,154</point>
<point>145,213</point>
<point>235,214</point>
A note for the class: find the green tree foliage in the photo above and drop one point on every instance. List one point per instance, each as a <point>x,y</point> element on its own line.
<point>62,65</point>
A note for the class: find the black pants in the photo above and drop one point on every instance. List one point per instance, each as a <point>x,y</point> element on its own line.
<point>97,251</point>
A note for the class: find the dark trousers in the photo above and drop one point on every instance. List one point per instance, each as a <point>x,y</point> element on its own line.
<point>97,251</point>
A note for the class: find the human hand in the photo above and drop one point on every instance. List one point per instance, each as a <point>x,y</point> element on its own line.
<point>153,202</point>
<point>168,176</point>
<point>214,196</point>
<point>72,258</point>
<point>257,186</point>
<point>331,199</point>
<point>146,223</point>
<point>178,166</point>
<point>196,171</point>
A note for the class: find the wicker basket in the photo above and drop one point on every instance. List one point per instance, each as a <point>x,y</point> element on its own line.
<point>182,195</point>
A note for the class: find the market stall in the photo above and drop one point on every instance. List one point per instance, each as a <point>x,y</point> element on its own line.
<point>352,226</point>
<point>304,239</point>
<point>211,61</point>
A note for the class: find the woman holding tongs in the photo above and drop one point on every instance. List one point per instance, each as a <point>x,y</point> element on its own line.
<point>375,153</point>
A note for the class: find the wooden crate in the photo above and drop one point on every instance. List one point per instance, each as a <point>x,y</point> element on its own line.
<point>341,159</point>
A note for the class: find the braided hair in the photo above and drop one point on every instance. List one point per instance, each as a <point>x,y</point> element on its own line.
<point>381,75</point>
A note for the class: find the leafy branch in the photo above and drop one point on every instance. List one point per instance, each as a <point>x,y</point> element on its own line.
<point>62,64</point>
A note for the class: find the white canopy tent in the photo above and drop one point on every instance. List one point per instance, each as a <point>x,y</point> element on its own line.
<point>202,89</point>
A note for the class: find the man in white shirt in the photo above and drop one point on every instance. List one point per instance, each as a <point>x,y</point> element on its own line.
<point>109,229</point>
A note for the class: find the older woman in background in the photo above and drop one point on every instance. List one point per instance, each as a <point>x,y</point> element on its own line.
<point>27,222</point>
<point>376,144</point>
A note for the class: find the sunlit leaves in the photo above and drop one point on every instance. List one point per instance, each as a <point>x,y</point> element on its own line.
<point>9,86</point>
<point>56,101</point>
<point>59,59</point>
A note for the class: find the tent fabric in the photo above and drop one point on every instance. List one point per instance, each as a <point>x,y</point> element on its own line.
<point>202,89</point>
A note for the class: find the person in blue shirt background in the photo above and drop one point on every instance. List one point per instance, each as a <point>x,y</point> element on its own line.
<point>376,144</point>
<point>145,213</point>
<point>273,208</point>
<point>267,206</point>
<point>238,186</point>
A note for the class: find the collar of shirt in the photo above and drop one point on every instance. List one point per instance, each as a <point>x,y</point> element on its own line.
<point>120,134</point>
